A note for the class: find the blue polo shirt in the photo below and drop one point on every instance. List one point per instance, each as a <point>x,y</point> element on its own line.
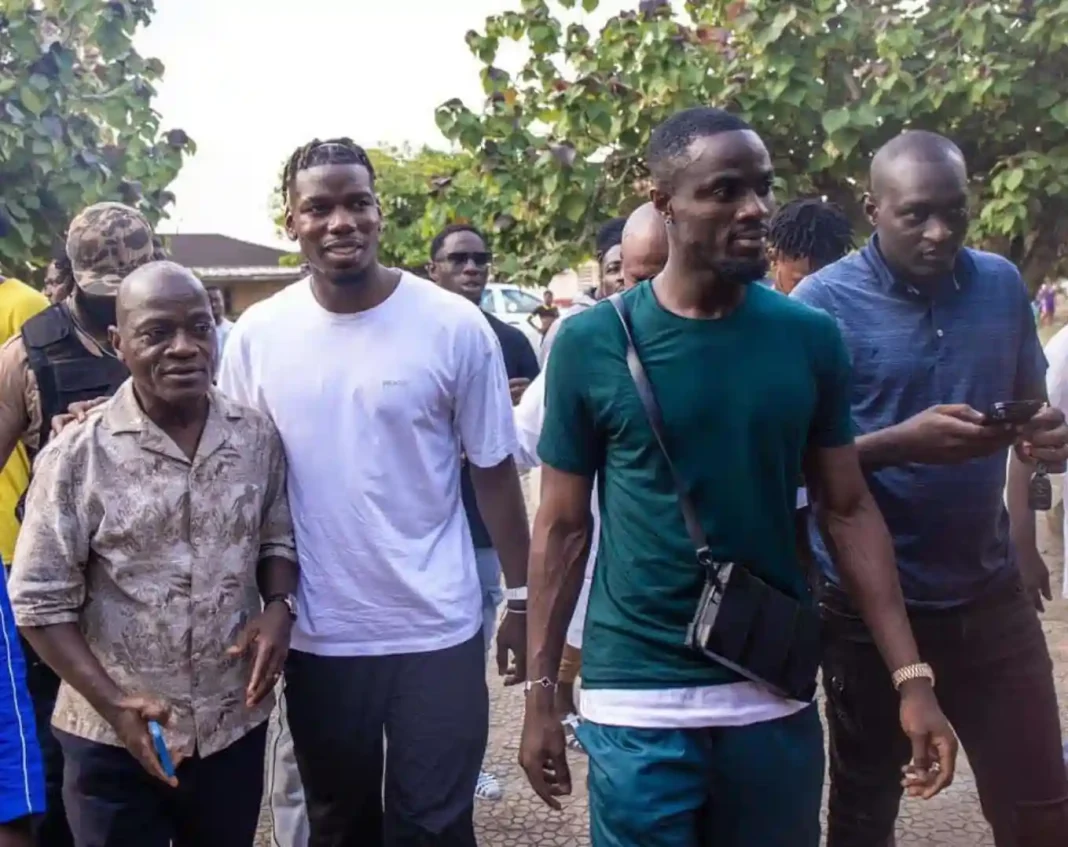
<point>973,340</point>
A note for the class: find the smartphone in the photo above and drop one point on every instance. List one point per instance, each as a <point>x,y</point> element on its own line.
<point>161,748</point>
<point>1014,412</point>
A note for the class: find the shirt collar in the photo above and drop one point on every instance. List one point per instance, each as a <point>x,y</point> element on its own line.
<point>872,256</point>
<point>123,415</point>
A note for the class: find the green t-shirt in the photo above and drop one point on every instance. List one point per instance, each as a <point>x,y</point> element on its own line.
<point>742,398</point>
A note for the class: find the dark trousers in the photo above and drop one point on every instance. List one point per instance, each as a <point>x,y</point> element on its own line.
<point>994,683</point>
<point>113,802</point>
<point>51,829</point>
<point>434,711</point>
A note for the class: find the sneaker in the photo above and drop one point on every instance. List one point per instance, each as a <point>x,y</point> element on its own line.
<point>487,787</point>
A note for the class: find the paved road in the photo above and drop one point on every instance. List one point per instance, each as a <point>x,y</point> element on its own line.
<point>519,820</point>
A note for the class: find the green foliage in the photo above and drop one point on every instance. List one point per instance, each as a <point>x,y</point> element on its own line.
<point>557,146</point>
<point>76,121</point>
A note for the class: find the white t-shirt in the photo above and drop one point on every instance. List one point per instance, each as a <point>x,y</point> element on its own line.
<point>375,409</point>
<point>1057,390</point>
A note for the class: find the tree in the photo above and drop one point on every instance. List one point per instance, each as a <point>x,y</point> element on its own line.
<point>76,121</point>
<point>421,191</point>
<point>559,143</point>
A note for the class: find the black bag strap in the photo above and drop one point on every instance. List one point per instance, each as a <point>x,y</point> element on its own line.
<point>656,423</point>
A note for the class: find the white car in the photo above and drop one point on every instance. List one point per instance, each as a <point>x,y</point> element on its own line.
<point>513,305</point>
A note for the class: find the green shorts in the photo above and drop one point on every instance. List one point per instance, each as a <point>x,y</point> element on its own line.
<point>750,786</point>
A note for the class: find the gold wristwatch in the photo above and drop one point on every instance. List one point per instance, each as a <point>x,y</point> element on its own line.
<point>920,670</point>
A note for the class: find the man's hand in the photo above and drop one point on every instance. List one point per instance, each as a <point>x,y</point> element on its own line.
<point>543,752</point>
<point>1035,574</point>
<point>1044,438</point>
<point>130,719</point>
<point>75,412</point>
<point>934,746</point>
<point>512,636</point>
<point>267,635</point>
<point>516,387</point>
<point>945,435</point>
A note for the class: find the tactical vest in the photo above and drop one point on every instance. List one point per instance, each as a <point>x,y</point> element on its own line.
<point>66,371</point>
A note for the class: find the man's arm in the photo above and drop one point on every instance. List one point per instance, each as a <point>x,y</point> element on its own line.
<point>559,549</point>
<point>500,503</point>
<point>278,571</point>
<point>14,415</point>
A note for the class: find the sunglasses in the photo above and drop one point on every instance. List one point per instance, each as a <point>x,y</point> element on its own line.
<point>461,259</point>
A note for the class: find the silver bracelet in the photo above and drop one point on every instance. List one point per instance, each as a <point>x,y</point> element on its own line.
<point>509,611</point>
<point>544,682</point>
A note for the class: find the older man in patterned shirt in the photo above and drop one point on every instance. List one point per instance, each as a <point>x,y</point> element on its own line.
<point>154,573</point>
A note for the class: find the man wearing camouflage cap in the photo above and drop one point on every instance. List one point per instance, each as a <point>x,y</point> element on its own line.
<point>63,356</point>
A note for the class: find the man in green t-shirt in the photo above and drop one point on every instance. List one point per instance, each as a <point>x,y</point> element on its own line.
<point>682,750</point>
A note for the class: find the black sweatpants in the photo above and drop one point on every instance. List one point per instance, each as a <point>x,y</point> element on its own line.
<point>113,802</point>
<point>434,711</point>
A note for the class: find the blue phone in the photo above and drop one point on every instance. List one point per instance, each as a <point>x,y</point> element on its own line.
<point>161,748</point>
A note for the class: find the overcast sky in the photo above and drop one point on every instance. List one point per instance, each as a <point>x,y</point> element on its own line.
<point>250,80</point>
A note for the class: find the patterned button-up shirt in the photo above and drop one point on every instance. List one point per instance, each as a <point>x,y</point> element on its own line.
<point>154,556</point>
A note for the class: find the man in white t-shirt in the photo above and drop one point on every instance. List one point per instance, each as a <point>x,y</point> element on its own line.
<point>382,382</point>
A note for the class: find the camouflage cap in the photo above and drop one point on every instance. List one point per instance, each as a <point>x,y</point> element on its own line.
<point>105,243</point>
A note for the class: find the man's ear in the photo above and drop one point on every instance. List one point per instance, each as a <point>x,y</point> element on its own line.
<point>662,202</point>
<point>291,231</point>
<point>871,208</point>
<point>432,271</point>
<point>116,343</point>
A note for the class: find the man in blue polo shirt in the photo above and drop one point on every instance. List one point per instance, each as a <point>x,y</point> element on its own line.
<point>937,333</point>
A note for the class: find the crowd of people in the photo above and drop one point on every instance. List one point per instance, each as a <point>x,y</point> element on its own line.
<point>269,557</point>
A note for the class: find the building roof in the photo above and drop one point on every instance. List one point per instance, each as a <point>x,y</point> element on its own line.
<point>208,250</point>
<point>249,273</point>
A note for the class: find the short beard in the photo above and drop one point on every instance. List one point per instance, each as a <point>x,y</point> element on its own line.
<point>741,271</point>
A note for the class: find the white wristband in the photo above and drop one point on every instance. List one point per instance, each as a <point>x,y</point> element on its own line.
<point>515,593</point>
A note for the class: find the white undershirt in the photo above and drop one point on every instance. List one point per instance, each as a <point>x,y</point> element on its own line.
<point>375,410</point>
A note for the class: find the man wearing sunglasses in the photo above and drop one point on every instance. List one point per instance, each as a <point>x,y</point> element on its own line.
<point>459,262</point>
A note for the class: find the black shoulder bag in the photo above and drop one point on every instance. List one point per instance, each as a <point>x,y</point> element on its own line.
<point>741,622</point>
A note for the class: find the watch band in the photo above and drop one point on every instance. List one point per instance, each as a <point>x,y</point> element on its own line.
<point>515,593</point>
<point>920,670</point>
<point>284,599</point>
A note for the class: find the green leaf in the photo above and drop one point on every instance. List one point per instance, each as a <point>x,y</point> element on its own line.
<point>590,5</point>
<point>835,119</point>
<point>574,207</point>
<point>1014,179</point>
<point>778,26</point>
<point>32,100</point>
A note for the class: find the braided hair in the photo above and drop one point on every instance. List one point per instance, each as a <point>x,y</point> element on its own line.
<point>811,229</point>
<point>609,235</point>
<point>333,151</point>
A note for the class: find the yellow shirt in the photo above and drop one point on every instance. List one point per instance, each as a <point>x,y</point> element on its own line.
<point>18,303</point>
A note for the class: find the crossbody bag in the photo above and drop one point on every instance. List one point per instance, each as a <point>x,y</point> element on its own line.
<point>741,622</point>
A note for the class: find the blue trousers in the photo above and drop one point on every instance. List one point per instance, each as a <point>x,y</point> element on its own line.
<point>750,786</point>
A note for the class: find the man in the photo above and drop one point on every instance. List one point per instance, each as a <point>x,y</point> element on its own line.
<point>684,751</point>
<point>644,246</point>
<point>459,262</point>
<point>18,303</point>
<point>64,356</point>
<point>543,316</point>
<point>218,311</point>
<point>805,236</point>
<point>937,334</point>
<point>59,281</point>
<point>145,597</point>
<point>385,380</point>
<point>609,251</point>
